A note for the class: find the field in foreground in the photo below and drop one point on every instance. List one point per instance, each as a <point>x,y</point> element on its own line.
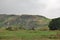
<point>29,35</point>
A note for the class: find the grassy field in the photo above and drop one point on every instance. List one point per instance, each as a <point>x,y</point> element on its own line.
<point>29,35</point>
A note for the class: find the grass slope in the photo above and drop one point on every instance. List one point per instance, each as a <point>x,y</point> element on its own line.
<point>29,35</point>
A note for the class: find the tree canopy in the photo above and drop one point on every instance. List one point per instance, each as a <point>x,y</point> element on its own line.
<point>54,24</point>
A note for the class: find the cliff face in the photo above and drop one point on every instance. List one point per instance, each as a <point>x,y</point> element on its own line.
<point>23,21</point>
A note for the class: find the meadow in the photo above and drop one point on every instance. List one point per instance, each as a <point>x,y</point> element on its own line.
<point>29,35</point>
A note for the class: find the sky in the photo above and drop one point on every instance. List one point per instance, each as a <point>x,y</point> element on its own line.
<point>48,8</point>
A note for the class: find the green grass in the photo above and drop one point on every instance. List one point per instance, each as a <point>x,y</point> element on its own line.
<point>28,35</point>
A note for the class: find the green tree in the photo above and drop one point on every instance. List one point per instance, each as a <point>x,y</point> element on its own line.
<point>54,24</point>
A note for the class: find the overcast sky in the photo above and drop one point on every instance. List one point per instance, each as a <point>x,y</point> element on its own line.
<point>48,8</point>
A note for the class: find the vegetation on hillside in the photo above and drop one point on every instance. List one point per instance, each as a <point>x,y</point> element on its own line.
<point>28,27</point>
<point>30,22</point>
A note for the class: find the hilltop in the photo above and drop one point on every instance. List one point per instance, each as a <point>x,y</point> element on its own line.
<point>23,21</point>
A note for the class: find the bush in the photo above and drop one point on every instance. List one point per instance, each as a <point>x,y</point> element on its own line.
<point>12,28</point>
<point>9,28</point>
<point>54,24</point>
<point>43,29</point>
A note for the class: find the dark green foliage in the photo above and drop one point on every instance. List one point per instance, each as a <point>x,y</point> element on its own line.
<point>12,28</point>
<point>9,28</point>
<point>54,24</point>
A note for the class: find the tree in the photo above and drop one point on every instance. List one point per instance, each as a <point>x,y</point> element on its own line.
<point>54,24</point>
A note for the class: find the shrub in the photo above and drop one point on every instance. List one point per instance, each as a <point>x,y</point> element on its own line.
<point>12,28</point>
<point>43,29</point>
<point>9,28</point>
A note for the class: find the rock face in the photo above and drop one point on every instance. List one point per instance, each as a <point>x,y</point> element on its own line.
<point>23,21</point>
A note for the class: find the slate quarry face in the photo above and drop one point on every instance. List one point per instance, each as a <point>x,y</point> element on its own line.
<point>25,21</point>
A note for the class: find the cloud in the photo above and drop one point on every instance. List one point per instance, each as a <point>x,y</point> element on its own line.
<point>21,6</point>
<point>53,9</point>
<point>48,8</point>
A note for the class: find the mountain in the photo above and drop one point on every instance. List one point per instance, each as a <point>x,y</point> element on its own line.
<point>23,21</point>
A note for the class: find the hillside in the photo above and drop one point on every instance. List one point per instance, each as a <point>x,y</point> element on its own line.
<point>23,21</point>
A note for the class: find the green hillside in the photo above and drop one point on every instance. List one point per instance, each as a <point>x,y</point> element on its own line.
<point>23,21</point>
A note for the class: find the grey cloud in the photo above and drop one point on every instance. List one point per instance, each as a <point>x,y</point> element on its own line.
<point>40,7</point>
<point>20,6</point>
